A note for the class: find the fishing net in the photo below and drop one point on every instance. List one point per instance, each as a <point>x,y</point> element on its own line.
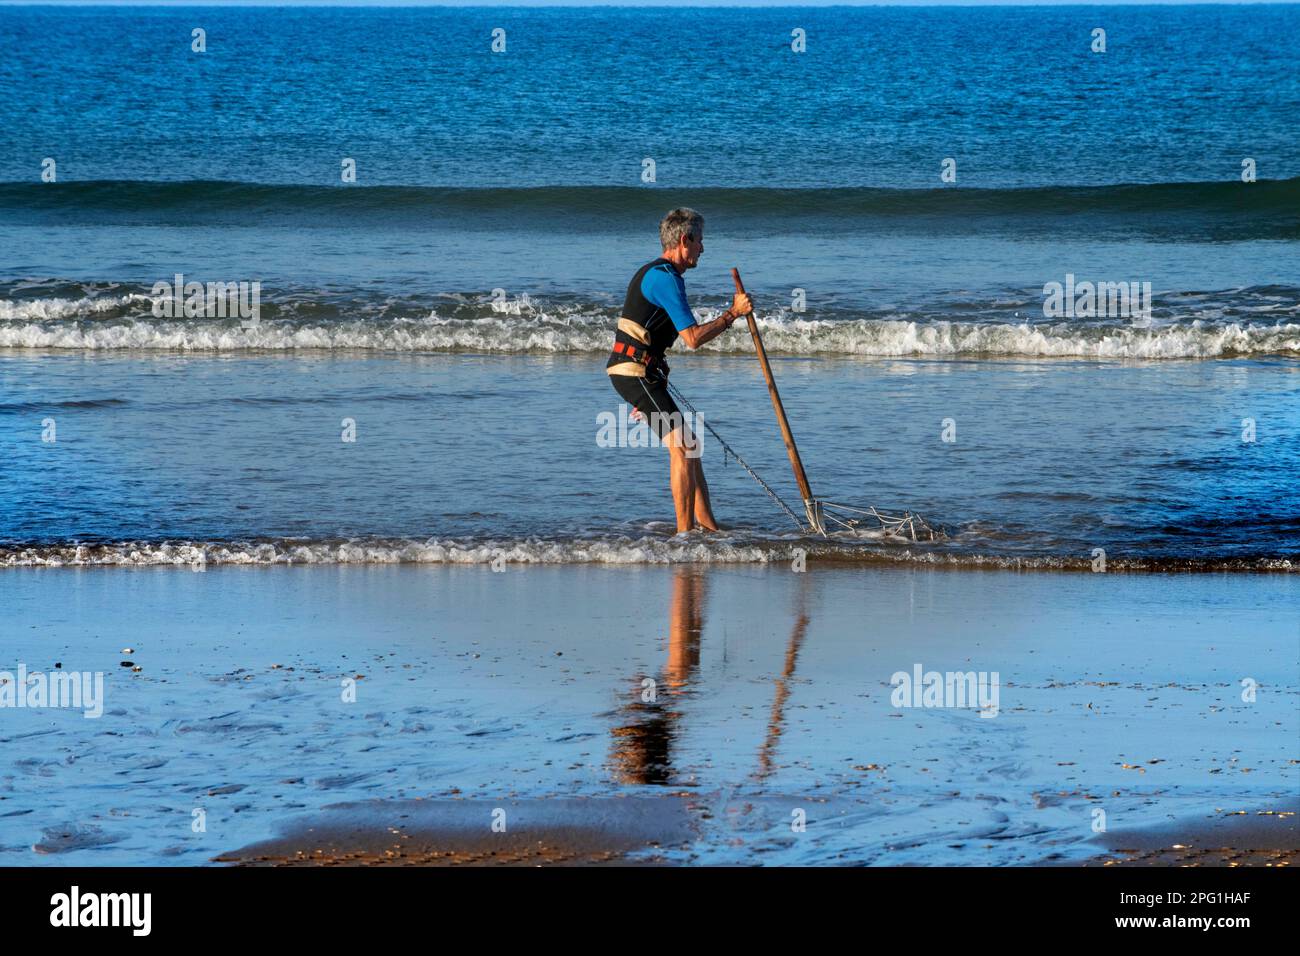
<point>826,517</point>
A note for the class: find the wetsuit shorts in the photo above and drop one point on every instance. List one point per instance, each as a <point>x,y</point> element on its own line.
<point>650,396</point>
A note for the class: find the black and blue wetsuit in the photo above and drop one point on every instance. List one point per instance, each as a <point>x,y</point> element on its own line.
<point>654,312</point>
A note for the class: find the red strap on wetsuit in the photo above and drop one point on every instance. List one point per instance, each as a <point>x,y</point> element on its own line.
<point>646,358</point>
<point>632,352</point>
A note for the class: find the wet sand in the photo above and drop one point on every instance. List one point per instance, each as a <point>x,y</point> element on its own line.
<point>450,833</point>
<point>376,710</point>
<point>1269,838</point>
<point>622,830</point>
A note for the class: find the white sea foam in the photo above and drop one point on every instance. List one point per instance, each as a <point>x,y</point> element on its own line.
<point>615,550</point>
<point>60,308</point>
<point>45,325</point>
<point>625,550</point>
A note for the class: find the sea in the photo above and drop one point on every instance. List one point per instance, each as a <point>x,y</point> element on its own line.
<point>437,212</point>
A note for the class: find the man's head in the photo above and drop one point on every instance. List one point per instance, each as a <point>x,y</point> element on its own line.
<point>682,235</point>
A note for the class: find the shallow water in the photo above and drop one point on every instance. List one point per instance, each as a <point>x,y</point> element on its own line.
<point>460,457</point>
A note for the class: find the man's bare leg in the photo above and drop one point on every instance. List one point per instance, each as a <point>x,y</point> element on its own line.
<point>682,479</point>
<point>703,511</point>
<point>701,508</point>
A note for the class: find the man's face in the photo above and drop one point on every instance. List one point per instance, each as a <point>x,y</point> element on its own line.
<point>694,248</point>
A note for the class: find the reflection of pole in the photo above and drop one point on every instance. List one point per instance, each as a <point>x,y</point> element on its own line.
<point>776,721</point>
<point>810,504</point>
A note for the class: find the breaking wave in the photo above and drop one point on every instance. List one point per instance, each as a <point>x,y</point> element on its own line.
<point>41,325</point>
<point>614,550</point>
<point>107,316</point>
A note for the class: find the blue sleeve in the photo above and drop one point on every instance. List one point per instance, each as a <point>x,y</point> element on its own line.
<point>665,288</point>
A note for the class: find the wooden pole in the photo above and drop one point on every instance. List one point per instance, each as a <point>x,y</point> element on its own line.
<point>809,502</point>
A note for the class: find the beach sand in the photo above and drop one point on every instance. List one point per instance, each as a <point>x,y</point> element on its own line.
<point>558,830</point>
<point>1236,838</point>
<point>650,714</point>
<point>562,831</point>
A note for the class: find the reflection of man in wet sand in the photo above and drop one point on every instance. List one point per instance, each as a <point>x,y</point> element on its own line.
<point>642,747</point>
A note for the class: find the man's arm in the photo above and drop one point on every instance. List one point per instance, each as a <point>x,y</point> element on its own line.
<point>697,335</point>
<point>665,288</point>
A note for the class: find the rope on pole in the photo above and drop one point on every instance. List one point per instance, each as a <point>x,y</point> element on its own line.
<point>905,525</point>
<point>728,450</point>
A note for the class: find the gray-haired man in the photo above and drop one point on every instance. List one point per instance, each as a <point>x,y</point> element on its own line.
<point>655,313</point>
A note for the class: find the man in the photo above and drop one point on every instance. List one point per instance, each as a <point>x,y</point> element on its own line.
<point>655,313</point>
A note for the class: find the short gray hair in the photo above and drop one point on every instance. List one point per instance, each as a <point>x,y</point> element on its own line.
<point>680,222</point>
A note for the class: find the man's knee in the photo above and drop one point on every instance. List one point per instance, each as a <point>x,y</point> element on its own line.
<point>684,446</point>
<point>680,439</point>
